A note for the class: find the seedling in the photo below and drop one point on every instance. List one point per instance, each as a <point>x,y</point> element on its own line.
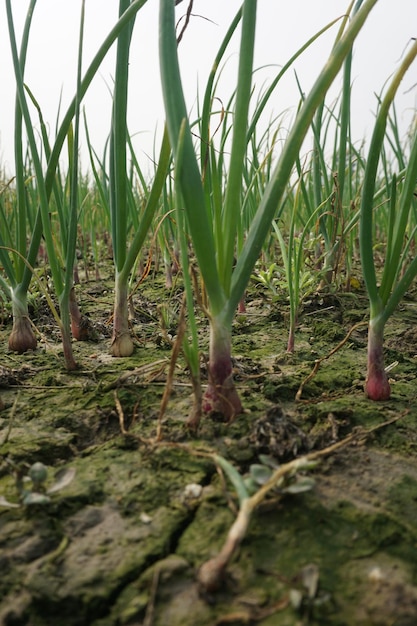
<point>251,490</point>
<point>260,473</point>
<point>33,488</point>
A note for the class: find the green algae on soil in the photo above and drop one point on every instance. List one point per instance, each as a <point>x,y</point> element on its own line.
<point>122,543</point>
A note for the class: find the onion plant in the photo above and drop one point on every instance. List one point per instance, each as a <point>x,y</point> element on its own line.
<point>190,344</point>
<point>125,216</point>
<point>122,344</point>
<point>398,271</point>
<point>125,256</point>
<point>62,281</point>
<point>330,185</point>
<point>225,269</point>
<point>299,282</point>
<point>130,226</point>
<point>19,274</point>
<point>313,239</point>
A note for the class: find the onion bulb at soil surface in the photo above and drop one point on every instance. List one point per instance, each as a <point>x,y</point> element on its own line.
<point>122,346</point>
<point>377,385</point>
<point>22,338</point>
<point>221,395</point>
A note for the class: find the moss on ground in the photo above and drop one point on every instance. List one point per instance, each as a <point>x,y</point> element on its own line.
<point>122,544</point>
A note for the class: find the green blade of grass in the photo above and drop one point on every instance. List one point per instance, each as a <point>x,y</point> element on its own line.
<point>44,205</point>
<point>164,160</point>
<point>91,71</point>
<point>405,202</point>
<point>232,201</point>
<point>366,219</point>
<point>276,187</point>
<point>190,176</point>
<point>71,234</point>
<point>118,174</point>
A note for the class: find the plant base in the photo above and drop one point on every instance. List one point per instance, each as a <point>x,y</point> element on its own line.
<point>221,395</point>
<point>377,385</point>
<point>121,343</point>
<point>22,338</point>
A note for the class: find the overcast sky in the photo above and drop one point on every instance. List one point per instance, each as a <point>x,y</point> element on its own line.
<point>282,27</point>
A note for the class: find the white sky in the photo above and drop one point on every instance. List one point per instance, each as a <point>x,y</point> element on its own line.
<point>282,27</point>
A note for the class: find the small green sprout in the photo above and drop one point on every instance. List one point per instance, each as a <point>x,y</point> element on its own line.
<point>38,492</point>
<point>268,277</point>
<point>260,473</point>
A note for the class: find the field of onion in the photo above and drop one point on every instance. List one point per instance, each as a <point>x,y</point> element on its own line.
<point>217,361</point>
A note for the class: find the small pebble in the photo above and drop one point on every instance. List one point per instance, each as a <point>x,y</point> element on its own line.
<point>375,574</point>
<point>192,491</point>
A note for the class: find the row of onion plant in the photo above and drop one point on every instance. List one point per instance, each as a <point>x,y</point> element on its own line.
<point>213,230</point>
<point>324,213</point>
<point>226,200</point>
<point>18,257</point>
<point>62,278</point>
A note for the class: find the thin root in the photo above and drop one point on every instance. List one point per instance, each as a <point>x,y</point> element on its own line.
<point>318,362</point>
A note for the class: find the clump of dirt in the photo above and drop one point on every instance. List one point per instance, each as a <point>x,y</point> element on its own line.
<point>276,434</point>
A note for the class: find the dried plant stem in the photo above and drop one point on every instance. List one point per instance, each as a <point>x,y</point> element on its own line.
<point>174,357</point>
<point>120,413</point>
<point>211,574</point>
<point>11,419</point>
<point>150,370</point>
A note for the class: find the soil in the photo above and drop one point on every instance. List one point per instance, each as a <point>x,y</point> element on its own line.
<point>122,543</point>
